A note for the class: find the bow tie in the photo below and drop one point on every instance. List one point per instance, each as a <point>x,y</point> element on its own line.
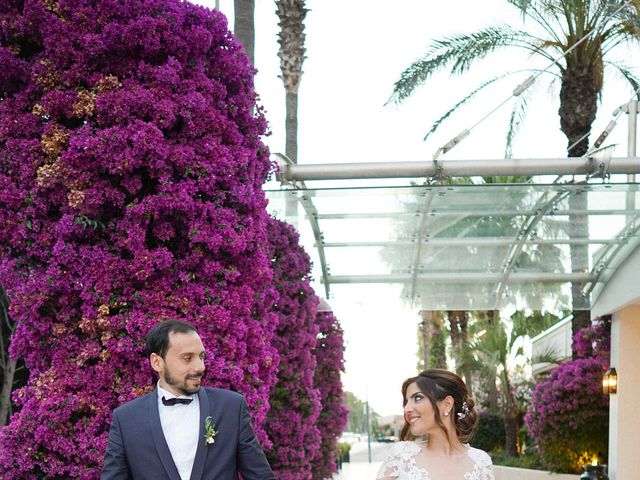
<point>174,401</point>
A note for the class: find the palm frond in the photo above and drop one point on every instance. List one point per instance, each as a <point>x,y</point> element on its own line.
<point>630,11</point>
<point>466,99</point>
<point>628,76</point>
<point>414,76</point>
<point>549,355</point>
<point>543,13</point>
<point>459,51</point>
<point>521,5</point>
<point>516,120</point>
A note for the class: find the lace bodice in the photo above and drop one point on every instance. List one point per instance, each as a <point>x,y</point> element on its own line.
<point>401,464</point>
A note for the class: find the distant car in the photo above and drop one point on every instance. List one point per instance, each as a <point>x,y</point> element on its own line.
<point>350,438</point>
<point>389,439</point>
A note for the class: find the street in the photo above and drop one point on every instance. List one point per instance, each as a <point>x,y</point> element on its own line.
<point>359,468</point>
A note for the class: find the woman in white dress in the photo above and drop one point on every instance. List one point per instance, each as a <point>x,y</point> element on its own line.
<point>439,419</point>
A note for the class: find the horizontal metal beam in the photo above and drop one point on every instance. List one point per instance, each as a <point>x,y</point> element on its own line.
<point>476,242</point>
<point>460,168</point>
<point>471,213</point>
<point>464,277</point>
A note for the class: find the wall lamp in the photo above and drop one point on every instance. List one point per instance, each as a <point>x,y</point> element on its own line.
<point>610,381</point>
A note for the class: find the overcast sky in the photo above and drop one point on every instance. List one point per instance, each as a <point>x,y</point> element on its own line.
<point>356,49</point>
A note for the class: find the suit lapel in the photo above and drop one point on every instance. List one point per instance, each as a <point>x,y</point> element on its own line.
<point>158,438</point>
<point>202,450</point>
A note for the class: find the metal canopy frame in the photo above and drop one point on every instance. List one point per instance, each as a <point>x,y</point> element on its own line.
<point>433,221</point>
<point>591,166</point>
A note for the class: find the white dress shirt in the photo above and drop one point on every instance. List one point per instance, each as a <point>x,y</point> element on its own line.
<point>180,425</point>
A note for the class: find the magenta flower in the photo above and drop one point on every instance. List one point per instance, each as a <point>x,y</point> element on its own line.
<point>131,168</point>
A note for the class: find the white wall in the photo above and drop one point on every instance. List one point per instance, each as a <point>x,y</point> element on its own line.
<point>624,411</point>
<point>622,289</point>
<point>511,473</point>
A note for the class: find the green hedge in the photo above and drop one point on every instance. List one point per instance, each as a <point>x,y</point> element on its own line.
<point>490,434</point>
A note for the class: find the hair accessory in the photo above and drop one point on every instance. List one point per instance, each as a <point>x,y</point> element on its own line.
<point>465,410</point>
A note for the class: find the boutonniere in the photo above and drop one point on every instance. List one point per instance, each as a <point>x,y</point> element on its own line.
<point>209,431</point>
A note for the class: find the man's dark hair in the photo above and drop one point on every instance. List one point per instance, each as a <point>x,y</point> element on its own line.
<point>158,336</point>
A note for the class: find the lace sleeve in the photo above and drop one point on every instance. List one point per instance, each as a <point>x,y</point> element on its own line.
<point>484,466</point>
<point>400,462</point>
<point>486,472</point>
<point>391,466</point>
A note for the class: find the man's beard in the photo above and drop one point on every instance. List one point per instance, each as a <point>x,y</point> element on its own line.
<point>181,387</point>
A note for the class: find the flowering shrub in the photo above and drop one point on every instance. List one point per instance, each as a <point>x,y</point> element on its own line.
<point>329,353</point>
<point>295,402</point>
<point>569,415</point>
<point>594,341</point>
<point>131,169</point>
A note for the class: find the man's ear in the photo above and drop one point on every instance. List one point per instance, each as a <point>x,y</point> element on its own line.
<point>156,362</point>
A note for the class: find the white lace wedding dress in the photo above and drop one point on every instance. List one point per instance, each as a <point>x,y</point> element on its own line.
<point>401,464</point>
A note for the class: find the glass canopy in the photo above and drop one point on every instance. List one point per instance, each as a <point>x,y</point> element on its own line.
<point>469,247</point>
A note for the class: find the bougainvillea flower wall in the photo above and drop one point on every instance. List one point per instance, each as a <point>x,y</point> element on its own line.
<point>333,418</point>
<point>131,167</point>
<point>295,400</point>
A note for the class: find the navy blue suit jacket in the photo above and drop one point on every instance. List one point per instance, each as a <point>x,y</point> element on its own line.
<point>138,450</point>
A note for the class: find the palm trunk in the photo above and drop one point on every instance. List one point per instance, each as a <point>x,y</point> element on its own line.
<point>491,316</point>
<point>458,322</point>
<point>425,335</point>
<point>511,426</point>
<point>244,26</point>
<point>437,352</point>
<point>291,126</point>
<point>578,107</point>
<point>492,395</point>
<point>7,364</point>
<point>511,435</point>
<point>454,328</point>
<point>291,151</point>
<point>464,341</point>
<point>5,395</point>
<point>291,14</point>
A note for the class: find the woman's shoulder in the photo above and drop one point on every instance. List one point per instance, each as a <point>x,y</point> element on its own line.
<point>480,456</point>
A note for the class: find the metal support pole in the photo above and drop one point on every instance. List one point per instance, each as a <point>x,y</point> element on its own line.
<point>368,431</point>
<point>632,111</point>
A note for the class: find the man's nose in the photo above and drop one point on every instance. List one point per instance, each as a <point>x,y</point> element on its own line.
<point>200,365</point>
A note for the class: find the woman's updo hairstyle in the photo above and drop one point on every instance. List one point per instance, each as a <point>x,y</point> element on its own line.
<point>437,384</point>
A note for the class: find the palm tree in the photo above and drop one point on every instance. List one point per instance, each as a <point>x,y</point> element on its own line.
<point>585,32</point>
<point>431,340</point>
<point>291,14</point>
<point>244,26</point>
<point>491,353</point>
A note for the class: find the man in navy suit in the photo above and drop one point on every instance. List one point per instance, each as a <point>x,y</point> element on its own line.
<point>181,431</point>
